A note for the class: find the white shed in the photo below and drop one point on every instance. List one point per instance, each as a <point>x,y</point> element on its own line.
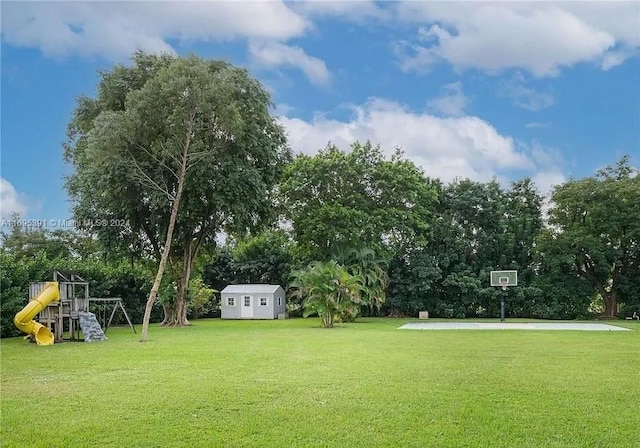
<point>252,301</point>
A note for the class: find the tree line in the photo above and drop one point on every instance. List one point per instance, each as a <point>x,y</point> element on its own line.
<point>184,149</point>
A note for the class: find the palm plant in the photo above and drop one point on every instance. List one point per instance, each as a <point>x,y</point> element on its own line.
<point>372,270</point>
<point>327,289</point>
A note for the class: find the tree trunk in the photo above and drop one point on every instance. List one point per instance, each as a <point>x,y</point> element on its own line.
<point>169,315</point>
<point>169,309</point>
<point>610,298</point>
<point>179,317</point>
<point>181,314</point>
<point>184,286</point>
<point>610,304</point>
<point>182,303</point>
<point>153,295</point>
<point>178,312</point>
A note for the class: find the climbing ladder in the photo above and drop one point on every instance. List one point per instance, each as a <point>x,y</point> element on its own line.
<point>91,329</point>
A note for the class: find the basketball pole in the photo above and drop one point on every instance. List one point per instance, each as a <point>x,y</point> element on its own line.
<point>503,279</point>
<point>504,289</point>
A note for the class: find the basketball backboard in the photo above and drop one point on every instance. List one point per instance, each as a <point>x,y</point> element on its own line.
<point>504,279</point>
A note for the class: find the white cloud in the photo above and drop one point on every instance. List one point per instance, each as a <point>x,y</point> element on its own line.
<point>614,58</point>
<point>413,58</point>
<point>539,37</point>
<point>276,54</point>
<point>116,29</point>
<point>453,102</point>
<point>281,109</point>
<point>546,180</point>
<point>618,18</point>
<point>357,11</point>
<point>11,201</point>
<point>550,163</point>
<point>445,147</point>
<point>526,97</point>
<point>536,124</point>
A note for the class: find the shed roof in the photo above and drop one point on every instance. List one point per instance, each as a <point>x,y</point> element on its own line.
<point>250,289</point>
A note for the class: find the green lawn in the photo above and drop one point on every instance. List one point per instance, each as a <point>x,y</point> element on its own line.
<point>291,384</point>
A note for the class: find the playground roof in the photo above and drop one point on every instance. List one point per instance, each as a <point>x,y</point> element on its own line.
<point>67,276</point>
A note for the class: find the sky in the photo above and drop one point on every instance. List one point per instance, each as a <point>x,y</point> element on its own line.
<point>480,90</point>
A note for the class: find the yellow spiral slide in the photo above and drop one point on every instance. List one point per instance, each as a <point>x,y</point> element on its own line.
<point>24,319</point>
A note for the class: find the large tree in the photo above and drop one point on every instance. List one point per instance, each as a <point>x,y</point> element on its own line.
<point>174,143</point>
<point>356,199</point>
<point>479,227</point>
<point>595,223</point>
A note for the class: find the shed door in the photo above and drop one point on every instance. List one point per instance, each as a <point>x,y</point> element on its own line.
<point>246,309</point>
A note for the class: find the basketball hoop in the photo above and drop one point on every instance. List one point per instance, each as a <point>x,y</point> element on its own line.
<point>504,280</point>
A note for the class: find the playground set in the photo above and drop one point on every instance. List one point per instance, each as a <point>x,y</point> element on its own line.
<point>63,305</point>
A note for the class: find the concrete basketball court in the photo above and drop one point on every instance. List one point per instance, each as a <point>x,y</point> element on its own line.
<point>510,326</point>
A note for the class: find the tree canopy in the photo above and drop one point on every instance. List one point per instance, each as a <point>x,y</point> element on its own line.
<point>595,228</point>
<point>356,199</point>
<point>172,142</point>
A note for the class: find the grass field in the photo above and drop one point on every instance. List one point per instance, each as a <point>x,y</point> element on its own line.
<point>292,384</point>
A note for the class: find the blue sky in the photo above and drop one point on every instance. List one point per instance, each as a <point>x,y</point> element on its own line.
<point>468,89</point>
